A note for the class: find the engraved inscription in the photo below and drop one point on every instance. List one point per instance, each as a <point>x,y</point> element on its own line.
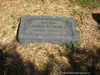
<point>45,30</point>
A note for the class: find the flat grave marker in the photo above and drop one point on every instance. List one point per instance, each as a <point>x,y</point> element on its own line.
<point>41,29</point>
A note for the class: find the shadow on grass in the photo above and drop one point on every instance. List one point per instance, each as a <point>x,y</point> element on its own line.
<point>96,17</point>
<point>85,61</point>
<point>1,62</point>
<point>12,64</point>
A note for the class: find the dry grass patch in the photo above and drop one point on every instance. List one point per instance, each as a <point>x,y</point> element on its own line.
<point>45,54</point>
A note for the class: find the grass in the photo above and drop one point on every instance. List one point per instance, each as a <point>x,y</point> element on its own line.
<point>29,1</point>
<point>91,4</point>
<point>20,59</point>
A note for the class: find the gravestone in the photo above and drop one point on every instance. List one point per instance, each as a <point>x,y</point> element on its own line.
<point>41,29</point>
